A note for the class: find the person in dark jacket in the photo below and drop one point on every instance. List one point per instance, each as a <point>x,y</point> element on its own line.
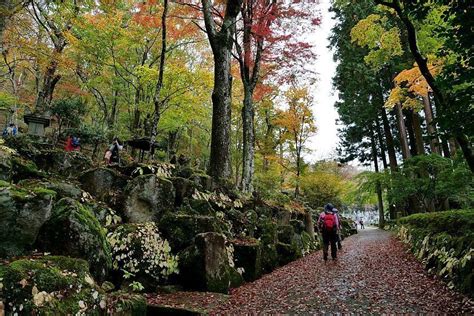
<point>328,224</point>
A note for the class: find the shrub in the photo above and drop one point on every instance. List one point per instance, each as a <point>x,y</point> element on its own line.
<point>444,242</point>
<point>141,254</point>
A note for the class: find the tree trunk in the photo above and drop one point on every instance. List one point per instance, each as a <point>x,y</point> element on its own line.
<point>221,43</point>
<point>420,146</point>
<point>46,91</point>
<point>411,131</point>
<point>466,148</point>
<point>382,144</point>
<point>157,101</point>
<point>298,173</point>
<point>378,187</point>
<point>445,147</point>
<point>431,126</point>
<point>403,132</point>
<point>221,116</point>
<point>248,140</point>
<point>392,157</point>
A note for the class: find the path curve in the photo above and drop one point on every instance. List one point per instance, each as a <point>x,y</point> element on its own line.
<point>374,274</point>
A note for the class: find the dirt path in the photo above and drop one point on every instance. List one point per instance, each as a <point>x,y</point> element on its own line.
<point>374,274</point>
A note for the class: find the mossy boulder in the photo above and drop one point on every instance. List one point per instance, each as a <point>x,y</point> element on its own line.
<point>248,255</point>
<point>205,265</point>
<point>104,184</point>
<point>22,168</point>
<point>148,197</point>
<point>63,163</point>
<point>444,241</point>
<point>184,189</point>
<point>22,213</point>
<point>282,215</point>
<point>269,256</point>
<point>267,231</point>
<point>5,163</point>
<point>73,230</point>
<point>348,227</point>
<point>62,188</point>
<point>50,285</point>
<point>285,233</point>
<point>298,225</point>
<point>287,253</point>
<point>105,215</point>
<point>180,228</point>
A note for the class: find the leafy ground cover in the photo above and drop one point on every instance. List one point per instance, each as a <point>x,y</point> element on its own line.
<point>375,273</point>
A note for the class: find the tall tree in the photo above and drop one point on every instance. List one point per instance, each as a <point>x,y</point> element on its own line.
<point>298,125</point>
<point>221,41</point>
<point>403,9</point>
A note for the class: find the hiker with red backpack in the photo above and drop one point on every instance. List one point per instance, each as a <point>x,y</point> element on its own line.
<point>328,224</point>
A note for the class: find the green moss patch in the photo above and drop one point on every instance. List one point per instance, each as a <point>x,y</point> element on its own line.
<point>50,285</point>
<point>73,230</point>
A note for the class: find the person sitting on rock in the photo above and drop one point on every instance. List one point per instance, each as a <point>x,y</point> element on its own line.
<point>327,225</point>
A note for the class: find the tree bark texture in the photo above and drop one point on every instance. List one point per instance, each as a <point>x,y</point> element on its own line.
<point>402,132</point>
<point>378,187</point>
<point>431,126</point>
<point>392,157</point>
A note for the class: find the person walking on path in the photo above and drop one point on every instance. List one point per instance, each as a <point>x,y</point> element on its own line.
<point>113,153</point>
<point>339,228</point>
<point>361,222</point>
<point>328,223</point>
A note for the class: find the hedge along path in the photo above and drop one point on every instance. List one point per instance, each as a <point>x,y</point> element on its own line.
<point>375,274</point>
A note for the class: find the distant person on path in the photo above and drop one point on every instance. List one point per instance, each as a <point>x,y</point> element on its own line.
<point>11,130</point>
<point>76,143</point>
<point>361,222</point>
<point>339,228</point>
<point>112,155</point>
<point>68,146</point>
<point>327,224</point>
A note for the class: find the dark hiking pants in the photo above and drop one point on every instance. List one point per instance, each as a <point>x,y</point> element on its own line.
<point>329,238</point>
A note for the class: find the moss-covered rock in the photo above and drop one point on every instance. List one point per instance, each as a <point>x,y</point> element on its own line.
<point>62,163</point>
<point>180,228</point>
<point>74,231</point>
<point>50,286</point>
<point>348,227</point>
<point>62,188</point>
<point>298,225</point>
<point>22,213</point>
<point>22,168</point>
<point>205,265</point>
<point>287,253</point>
<point>269,258</point>
<point>105,215</point>
<point>104,184</point>
<point>184,189</point>
<point>148,197</point>
<point>444,241</point>
<point>285,233</point>
<point>248,255</point>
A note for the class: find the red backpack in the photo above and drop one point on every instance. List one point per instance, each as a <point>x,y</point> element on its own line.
<point>329,222</point>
